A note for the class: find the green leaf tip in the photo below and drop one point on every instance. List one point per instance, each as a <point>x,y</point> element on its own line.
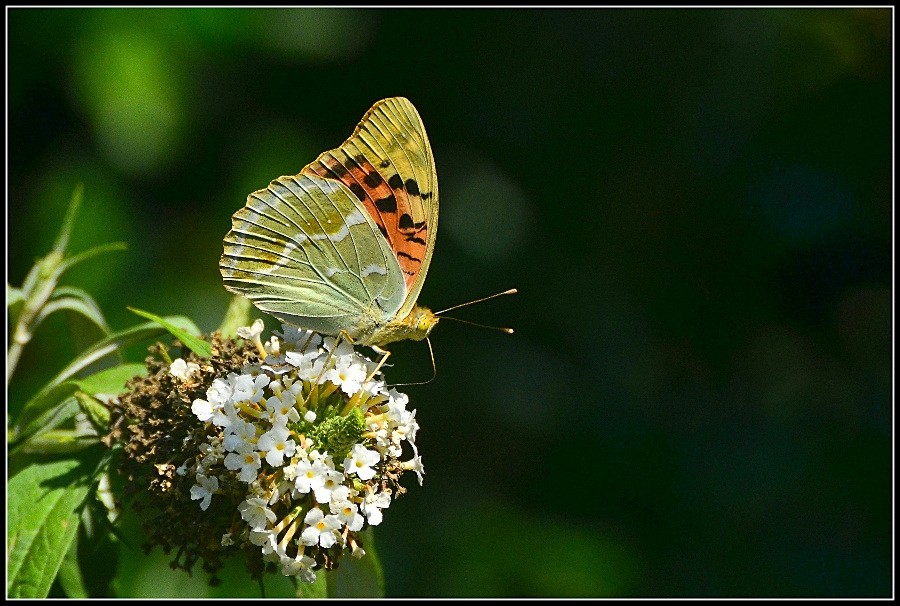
<point>195,344</point>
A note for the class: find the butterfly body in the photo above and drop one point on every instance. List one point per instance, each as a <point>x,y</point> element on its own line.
<point>345,245</point>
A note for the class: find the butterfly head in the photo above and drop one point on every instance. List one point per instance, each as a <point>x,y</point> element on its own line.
<point>423,321</point>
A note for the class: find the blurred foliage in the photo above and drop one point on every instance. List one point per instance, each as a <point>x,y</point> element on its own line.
<point>694,204</point>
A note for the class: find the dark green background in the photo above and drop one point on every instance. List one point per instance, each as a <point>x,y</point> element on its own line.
<point>695,206</point>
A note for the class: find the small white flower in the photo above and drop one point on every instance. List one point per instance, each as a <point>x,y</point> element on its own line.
<point>256,514</point>
<point>360,462</point>
<point>183,370</point>
<point>331,479</point>
<point>407,426</point>
<point>248,388</point>
<point>227,540</point>
<point>219,393</point>
<point>343,349</point>
<point>251,333</point>
<point>309,417</point>
<point>202,409</point>
<point>346,512</point>
<point>415,464</point>
<point>281,410</point>
<point>310,370</point>
<point>272,347</point>
<point>238,433</point>
<point>310,475</point>
<point>276,443</point>
<point>267,539</point>
<point>373,504</point>
<point>299,565</point>
<point>204,490</point>
<point>347,374</point>
<point>321,529</point>
<point>298,337</point>
<point>246,459</point>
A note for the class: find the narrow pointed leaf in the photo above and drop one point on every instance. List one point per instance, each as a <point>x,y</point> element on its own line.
<point>50,408</point>
<point>118,340</point>
<point>78,306</point>
<point>91,252</point>
<point>13,296</point>
<point>62,240</point>
<point>195,344</point>
<point>110,381</point>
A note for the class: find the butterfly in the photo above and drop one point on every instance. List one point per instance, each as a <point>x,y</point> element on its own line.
<point>344,246</point>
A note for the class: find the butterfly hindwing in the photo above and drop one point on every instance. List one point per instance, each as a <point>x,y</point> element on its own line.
<point>304,251</point>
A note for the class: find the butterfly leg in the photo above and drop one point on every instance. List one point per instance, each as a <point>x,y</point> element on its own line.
<point>384,356</point>
<point>327,365</point>
<point>357,398</point>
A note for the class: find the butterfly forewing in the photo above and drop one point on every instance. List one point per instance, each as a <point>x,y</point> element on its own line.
<point>388,165</point>
<point>348,241</point>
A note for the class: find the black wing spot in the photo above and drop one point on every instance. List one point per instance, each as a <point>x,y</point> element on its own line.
<point>383,231</point>
<point>385,163</point>
<point>338,170</point>
<point>426,195</point>
<point>387,205</point>
<point>352,163</point>
<point>405,222</point>
<point>400,253</point>
<point>396,181</point>
<point>412,187</point>
<point>358,191</point>
<point>373,179</point>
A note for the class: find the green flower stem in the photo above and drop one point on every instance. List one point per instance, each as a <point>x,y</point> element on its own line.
<point>48,274</point>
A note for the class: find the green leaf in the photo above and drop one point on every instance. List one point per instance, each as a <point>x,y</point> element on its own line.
<point>15,303</point>
<point>42,522</point>
<point>31,280</point>
<point>54,392</point>
<point>116,341</point>
<point>358,577</point>
<point>91,252</point>
<point>72,304</point>
<point>97,413</point>
<point>196,345</point>
<point>46,410</point>
<point>316,590</point>
<point>13,295</point>
<point>54,442</point>
<point>86,305</point>
<point>62,240</point>
<point>111,380</point>
<point>70,574</point>
<point>49,408</point>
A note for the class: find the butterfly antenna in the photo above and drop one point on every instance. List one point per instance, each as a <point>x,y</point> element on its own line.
<point>511,291</point>
<point>508,331</point>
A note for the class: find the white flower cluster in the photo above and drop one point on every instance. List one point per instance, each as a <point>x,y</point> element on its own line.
<point>281,425</point>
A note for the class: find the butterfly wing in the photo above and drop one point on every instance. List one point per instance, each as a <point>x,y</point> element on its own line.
<point>306,252</point>
<point>351,235</point>
<point>387,164</point>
